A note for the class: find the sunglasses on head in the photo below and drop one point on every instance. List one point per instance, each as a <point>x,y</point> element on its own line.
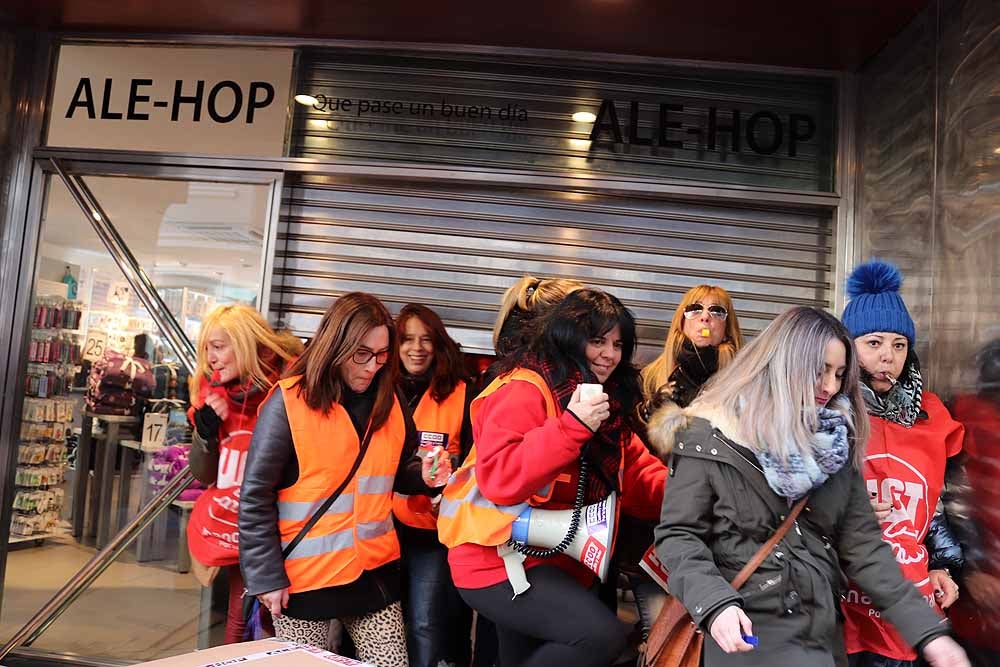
<point>695,309</point>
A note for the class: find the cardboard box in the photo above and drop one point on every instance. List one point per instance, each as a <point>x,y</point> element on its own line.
<point>263,653</point>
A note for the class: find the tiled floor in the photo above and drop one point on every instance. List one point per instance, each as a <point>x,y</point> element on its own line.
<point>132,612</point>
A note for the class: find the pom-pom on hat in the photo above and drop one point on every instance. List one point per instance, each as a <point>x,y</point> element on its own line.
<point>875,305</point>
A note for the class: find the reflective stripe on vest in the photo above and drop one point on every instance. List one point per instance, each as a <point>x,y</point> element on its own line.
<point>465,515</point>
<point>356,533</point>
<point>444,417</point>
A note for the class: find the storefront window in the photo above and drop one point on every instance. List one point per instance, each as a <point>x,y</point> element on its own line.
<point>104,419</point>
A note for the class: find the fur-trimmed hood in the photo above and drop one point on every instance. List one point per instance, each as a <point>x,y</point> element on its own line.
<point>667,421</point>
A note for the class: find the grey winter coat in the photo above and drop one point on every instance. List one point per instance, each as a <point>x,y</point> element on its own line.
<point>718,510</point>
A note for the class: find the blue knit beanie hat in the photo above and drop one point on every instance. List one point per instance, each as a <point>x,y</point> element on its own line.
<point>875,305</point>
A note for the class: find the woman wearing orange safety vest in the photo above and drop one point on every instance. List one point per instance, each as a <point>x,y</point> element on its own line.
<point>533,435</point>
<point>438,623</point>
<point>336,401</point>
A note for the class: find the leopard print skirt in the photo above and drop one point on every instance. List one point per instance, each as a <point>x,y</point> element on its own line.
<point>380,637</point>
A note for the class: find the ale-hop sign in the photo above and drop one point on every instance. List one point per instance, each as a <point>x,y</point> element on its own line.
<point>220,101</point>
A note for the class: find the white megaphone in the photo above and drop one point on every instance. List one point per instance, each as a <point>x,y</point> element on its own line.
<point>592,543</point>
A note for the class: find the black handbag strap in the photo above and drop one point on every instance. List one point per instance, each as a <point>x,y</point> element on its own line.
<point>333,496</point>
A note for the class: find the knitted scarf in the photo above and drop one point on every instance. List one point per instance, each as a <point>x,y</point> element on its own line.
<point>797,476</point>
<point>694,367</point>
<point>604,449</point>
<point>902,403</point>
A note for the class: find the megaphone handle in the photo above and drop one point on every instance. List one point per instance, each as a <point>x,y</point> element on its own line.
<point>513,563</point>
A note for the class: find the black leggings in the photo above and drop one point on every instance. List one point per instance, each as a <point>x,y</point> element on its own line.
<point>556,622</point>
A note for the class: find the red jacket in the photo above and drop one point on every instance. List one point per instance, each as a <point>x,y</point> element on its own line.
<point>519,451</point>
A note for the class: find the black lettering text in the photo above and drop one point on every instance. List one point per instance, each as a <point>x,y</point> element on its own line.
<point>633,127</point>
<point>667,124</point>
<point>714,128</point>
<point>253,104</point>
<point>776,137</point>
<point>134,98</point>
<point>610,123</point>
<point>795,134</point>
<point>194,100</point>
<point>237,101</point>
<point>83,97</point>
<point>106,112</point>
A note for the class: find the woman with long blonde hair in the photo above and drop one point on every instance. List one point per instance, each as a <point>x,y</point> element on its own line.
<point>704,336</point>
<point>784,422</point>
<point>239,357</point>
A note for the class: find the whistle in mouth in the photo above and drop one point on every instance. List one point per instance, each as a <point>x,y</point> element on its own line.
<point>706,332</point>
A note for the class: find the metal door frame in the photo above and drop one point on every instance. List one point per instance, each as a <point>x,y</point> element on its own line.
<point>22,261</point>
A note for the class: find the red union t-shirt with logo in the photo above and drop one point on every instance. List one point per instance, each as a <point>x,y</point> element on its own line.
<point>904,466</point>
<point>213,533</point>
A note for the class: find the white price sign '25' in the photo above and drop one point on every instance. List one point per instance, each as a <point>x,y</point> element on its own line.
<point>94,345</point>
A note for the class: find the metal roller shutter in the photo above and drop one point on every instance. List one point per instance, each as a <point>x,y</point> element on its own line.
<point>457,247</point>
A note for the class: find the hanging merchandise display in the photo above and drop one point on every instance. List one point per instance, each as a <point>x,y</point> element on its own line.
<point>54,355</point>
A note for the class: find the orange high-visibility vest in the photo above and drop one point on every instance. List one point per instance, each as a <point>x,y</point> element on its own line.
<point>432,417</point>
<point>356,533</point>
<point>465,515</point>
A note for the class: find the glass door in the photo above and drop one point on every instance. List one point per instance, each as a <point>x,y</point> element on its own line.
<point>128,260</point>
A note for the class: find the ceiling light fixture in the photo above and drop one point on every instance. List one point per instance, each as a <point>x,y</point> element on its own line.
<point>307,100</point>
<point>584,117</point>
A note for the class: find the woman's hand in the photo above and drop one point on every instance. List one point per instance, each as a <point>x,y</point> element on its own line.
<point>945,588</point>
<point>882,510</point>
<point>945,652</point>
<point>436,475</point>
<point>592,412</point>
<point>218,404</point>
<point>728,629</point>
<point>274,601</point>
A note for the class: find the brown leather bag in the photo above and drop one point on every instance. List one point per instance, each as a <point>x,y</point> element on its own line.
<point>675,640</point>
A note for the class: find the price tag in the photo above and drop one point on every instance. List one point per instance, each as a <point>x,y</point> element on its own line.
<point>154,430</point>
<point>94,345</point>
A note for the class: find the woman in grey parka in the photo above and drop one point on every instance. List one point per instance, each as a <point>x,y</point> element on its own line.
<point>785,420</point>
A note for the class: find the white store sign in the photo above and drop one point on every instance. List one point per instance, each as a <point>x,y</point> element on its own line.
<point>218,101</point>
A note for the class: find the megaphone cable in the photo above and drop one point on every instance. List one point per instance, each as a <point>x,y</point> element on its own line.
<point>574,522</point>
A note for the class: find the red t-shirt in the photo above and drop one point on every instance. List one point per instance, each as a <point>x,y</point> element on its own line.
<point>519,450</point>
<point>904,466</point>
<point>213,533</point>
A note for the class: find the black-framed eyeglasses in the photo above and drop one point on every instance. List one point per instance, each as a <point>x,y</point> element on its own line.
<point>695,309</point>
<point>363,356</point>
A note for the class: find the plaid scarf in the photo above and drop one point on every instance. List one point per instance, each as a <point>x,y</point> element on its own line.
<point>604,449</point>
<point>902,403</point>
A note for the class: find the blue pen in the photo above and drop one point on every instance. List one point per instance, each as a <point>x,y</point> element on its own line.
<point>751,639</point>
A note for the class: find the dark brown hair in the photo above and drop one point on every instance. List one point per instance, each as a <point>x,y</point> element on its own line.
<point>344,324</point>
<point>449,364</point>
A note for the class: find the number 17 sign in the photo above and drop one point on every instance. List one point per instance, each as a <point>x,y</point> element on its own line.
<point>154,430</point>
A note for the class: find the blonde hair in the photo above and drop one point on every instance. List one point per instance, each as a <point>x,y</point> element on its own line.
<point>251,338</point>
<point>532,295</point>
<point>769,390</point>
<point>656,374</point>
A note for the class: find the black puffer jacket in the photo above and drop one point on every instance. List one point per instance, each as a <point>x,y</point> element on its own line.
<point>718,510</point>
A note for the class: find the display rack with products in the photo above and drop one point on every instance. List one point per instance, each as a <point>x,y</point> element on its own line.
<point>54,355</point>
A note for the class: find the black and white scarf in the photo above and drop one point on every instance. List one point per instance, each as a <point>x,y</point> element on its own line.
<point>902,403</point>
